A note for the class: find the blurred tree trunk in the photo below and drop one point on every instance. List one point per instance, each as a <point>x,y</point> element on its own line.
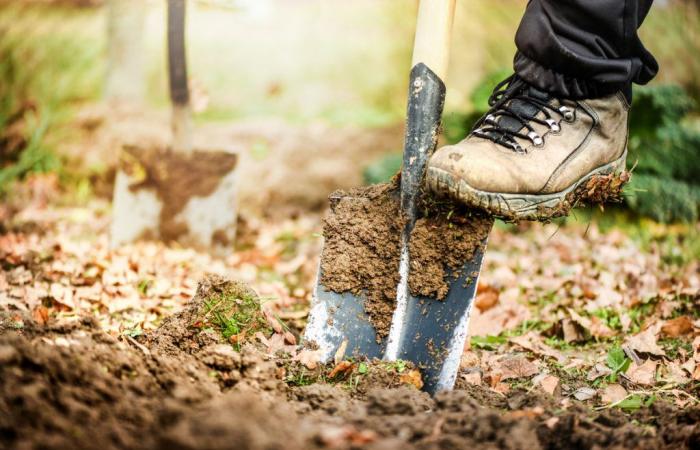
<point>125,71</point>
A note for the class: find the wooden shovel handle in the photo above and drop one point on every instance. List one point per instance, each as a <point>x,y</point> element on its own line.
<point>433,35</point>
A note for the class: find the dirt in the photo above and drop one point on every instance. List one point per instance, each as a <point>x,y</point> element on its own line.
<point>361,249</point>
<point>67,384</point>
<point>598,190</point>
<point>175,179</point>
<point>440,244</point>
<point>362,245</point>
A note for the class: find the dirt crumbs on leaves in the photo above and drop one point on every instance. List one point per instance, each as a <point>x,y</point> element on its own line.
<point>361,249</point>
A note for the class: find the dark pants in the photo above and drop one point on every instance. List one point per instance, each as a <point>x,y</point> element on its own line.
<point>583,48</point>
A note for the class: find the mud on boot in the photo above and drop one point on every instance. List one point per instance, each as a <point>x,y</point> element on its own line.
<point>534,156</point>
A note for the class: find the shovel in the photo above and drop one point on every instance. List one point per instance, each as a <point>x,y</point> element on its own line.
<point>427,331</point>
<point>177,194</point>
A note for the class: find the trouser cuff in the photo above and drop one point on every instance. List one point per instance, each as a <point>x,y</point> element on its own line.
<point>562,85</point>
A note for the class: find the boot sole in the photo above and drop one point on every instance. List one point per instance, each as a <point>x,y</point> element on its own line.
<point>540,207</point>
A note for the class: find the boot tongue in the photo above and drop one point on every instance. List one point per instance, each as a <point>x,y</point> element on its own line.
<point>523,108</point>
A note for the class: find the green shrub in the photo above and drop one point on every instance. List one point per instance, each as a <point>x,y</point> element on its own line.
<point>666,150</point>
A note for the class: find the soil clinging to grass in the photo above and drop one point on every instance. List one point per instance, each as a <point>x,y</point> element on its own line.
<point>71,385</point>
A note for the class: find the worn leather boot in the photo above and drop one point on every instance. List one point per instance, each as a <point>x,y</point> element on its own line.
<point>530,151</point>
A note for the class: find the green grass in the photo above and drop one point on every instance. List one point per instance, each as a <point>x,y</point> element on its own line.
<point>47,66</point>
<point>234,314</point>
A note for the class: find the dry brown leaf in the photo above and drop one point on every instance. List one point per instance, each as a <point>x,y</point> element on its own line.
<point>599,370</point>
<point>342,368</point>
<point>613,393</point>
<point>644,374</point>
<point>309,358</point>
<point>677,327</point>
<point>40,315</point>
<point>551,422</point>
<point>532,341</point>
<point>529,413</point>
<point>472,378</point>
<point>550,384</point>
<point>340,352</point>
<point>594,325</point>
<point>646,342</point>
<point>572,331</point>
<point>289,338</point>
<point>517,366</point>
<point>675,373</point>
<point>412,377</point>
<point>584,393</point>
<point>501,388</point>
<point>486,297</point>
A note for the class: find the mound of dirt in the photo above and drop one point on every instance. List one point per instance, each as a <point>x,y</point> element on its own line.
<point>70,385</point>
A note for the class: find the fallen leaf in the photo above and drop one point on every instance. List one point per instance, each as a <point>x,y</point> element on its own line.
<point>515,367</point>
<point>501,388</point>
<point>613,393</point>
<point>677,327</point>
<point>529,413</point>
<point>472,377</point>
<point>532,341</point>
<point>340,352</point>
<point>412,377</point>
<point>645,342</point>
<point>550,384</point>
<point>584,393</point>
<point>486,297</point>
<point>644,374</point>
<point>599,370</point>
<point>40,315</point>
<point>572,331</point>
<point>309,358</point>
<point>594,325</point>
<point>289,338</point>
<point>343,367</point>
<point>551,422</point>
<point>675,373</point>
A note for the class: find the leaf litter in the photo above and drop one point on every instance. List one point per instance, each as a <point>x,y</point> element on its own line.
<point>65,293</point>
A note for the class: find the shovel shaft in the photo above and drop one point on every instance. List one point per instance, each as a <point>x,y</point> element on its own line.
<point>177,74</point>
<point>426,95</point>
<point>433,30</point>
<point>426,99</point>
<point>177,59</point>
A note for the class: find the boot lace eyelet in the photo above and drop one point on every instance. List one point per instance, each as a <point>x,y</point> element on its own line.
<point>568,113</point>
<point>554,127</point>
<point>536,139</point>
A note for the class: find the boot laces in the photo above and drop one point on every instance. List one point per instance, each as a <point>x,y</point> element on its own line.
<point>514,107</point>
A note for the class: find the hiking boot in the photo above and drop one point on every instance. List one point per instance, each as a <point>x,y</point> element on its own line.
<point>530,151</point>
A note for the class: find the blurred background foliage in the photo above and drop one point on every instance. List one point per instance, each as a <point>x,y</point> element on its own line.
<point>344,63</point>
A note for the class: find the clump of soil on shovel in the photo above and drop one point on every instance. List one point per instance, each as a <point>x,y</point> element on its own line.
<point>68,384</point>
<point>362,247</point>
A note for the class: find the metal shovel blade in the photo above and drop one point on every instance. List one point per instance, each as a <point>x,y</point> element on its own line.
<point>429,332</point>
<point>433,331</point>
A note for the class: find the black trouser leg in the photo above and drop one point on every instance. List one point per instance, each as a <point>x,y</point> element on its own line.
<point>583,48</point>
